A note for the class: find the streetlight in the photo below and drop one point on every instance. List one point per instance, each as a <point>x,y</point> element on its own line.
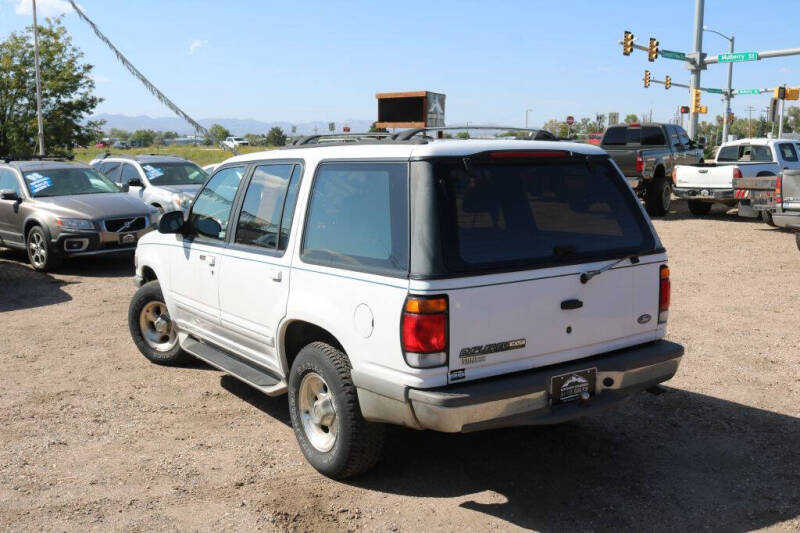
<point>728,92</point>
<point>526,117</point>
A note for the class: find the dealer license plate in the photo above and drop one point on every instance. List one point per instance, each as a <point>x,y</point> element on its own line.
<point>569,387</point>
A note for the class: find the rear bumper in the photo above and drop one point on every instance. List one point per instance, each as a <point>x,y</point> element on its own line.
<point>518,399</point>
<point>785,219</point>
<point>700,193</point>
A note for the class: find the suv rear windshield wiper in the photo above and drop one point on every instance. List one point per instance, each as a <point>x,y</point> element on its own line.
<point>589,274</point>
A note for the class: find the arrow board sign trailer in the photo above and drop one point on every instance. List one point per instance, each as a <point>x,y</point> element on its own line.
<point>417,109</point>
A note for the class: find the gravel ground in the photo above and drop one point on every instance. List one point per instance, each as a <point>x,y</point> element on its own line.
<point>95,437</point>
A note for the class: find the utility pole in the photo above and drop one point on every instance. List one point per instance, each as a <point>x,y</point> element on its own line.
<point>38,81</point>
<point>750,121</point>
<point>526,117</point>
<point>697,64</point>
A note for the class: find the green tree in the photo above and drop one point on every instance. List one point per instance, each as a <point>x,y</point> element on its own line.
<point>276,137</point>
<point>631,117</point>
<point>67,92</point>
<point>462,135</point>
<point>122,135</point>
<point>217,134</point>
<point>143,137</point>
<point>255,140</point>
<point>373,128</point>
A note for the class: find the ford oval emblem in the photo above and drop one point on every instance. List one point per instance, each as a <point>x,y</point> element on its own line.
<point>644,319</point>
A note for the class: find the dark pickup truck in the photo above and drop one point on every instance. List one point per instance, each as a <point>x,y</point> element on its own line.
<point>646,154</point>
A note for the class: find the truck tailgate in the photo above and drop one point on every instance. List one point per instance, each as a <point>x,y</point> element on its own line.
<point>704,177</point>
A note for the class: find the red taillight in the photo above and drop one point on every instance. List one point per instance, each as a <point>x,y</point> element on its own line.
<point>423,331</point>
<point>737,174</point>
<point>675,175</point>
<point>778,191</point>
<point>528,154</point>
<point>639,163</point>
<point>664,290</point>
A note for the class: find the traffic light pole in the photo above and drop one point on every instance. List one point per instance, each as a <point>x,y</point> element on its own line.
<point>727,99</point>
<point>697,65</point>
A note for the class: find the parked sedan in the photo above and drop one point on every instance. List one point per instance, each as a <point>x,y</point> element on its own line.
<point>58,209</point>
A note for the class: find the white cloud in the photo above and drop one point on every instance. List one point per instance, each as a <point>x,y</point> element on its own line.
<point>44,8</point>
<point>784,70</point>
<point>195,45</point>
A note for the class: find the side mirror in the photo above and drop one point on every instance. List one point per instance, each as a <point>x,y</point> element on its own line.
<point>135,182</point>
<point>124,187</point>
<point>8,194</point>
<point>171,222</point>
<point>702,141</point>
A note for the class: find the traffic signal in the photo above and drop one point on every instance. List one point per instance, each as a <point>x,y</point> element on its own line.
<point>772,113</point>
<point>730,118</point>
<point>702,110</point>
<point>780,92</point>
<point>646,79</point>
<point>695,100</point>
<point>667,82</point>
<point>627,43</point>
<point>652,50</point>
<point>684,109</point>
<point>793,93</point>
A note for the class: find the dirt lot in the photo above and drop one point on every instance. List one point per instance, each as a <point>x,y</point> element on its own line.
<point>95,437</point>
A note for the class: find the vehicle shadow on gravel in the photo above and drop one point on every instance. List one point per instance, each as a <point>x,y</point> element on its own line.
<point>277,408</point>
<point>679,210</point>
<point>111,266</point>
<point>677,461</point>
<point>21,287</point>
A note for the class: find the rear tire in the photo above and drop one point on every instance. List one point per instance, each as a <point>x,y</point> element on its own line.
<point>698,208</point>
<point>766,216</point>
<point>326,416</point>
<point>151,328</point>
<point>40,254</point>
<point>658,196</point>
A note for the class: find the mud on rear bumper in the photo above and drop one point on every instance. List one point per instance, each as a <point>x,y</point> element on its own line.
<point>518,399</point>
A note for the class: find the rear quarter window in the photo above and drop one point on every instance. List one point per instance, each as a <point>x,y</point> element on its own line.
<point>358,217</point>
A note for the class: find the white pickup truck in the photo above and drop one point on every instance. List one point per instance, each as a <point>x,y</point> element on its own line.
<point>708,183</point>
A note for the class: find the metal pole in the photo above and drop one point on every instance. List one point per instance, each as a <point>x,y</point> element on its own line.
<point>727,99</point>
<point>38,81</point>
<point>526,117</point>
<point>780,120</point>
<point>699,7</point>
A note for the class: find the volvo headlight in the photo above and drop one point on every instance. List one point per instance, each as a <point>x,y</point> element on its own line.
<point>74,223</point>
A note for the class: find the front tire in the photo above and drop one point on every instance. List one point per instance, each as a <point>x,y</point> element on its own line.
<point>698,208</point>
<point>326,416</point>
<point>658,196</point>
<point>40,254</point>
<point>152,329</point>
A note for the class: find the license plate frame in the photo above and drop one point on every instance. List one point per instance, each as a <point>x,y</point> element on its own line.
<point>128,238</point>
<point>564,390</point>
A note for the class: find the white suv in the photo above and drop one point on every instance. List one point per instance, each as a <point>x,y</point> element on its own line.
<point>165,182</point>
<point>435,284</point>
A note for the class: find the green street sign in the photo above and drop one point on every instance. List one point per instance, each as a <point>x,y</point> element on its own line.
<point>738,56</point>
<point>669,54</point>
<point>748,91</point>
<point>715,91</point>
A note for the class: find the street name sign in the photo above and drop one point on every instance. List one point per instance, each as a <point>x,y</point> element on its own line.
<point>737,57</point>
<point>748,91</point>
<point>670,54</point>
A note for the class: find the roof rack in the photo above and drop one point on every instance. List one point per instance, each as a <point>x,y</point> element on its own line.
<point>345,137</point>
<point>543,135</point>
<point>51,157</point>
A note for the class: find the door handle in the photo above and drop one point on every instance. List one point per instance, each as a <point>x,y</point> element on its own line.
<point>210,259</point>
<point>571,304</point>
<point>275,275</point>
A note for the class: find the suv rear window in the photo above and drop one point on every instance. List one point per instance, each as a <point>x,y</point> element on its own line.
<point>645,136</point>
<point>358,218</point>
<point>521,214</point>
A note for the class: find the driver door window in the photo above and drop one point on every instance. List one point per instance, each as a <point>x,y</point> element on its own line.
<point>212,208</point>
<point>129,172</point>
<point>8,181</point>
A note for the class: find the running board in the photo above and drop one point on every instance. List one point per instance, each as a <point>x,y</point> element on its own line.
<point>255,376</point>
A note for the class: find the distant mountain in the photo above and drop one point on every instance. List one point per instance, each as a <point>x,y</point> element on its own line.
<point>236,126</point>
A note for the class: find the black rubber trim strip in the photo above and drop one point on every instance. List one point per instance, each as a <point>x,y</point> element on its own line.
<point>538,379</point>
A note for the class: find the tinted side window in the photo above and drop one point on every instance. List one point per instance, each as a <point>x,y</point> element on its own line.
<point>129,172</point>
<point>653,136</point>
<point>728,153</point>
<point>8,180</point>
<point>788,152</point>
<point>212,208</point>
<point>615,135</point>
<point>761,154</point>
<point>358,217</point>
<point>260,220</point>
<point>683,137</point>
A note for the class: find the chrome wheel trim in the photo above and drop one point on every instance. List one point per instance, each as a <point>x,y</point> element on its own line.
<point>317,412</point>
<point>156,327</point>
<point>666,197</point>
<point>37,249</point>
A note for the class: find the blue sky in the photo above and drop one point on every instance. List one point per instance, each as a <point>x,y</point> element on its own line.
<point>315,60</point>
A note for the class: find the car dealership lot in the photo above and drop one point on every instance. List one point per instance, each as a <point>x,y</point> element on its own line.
<point>94,436</point>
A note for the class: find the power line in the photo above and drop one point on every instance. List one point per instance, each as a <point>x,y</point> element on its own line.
<point>133,70</point>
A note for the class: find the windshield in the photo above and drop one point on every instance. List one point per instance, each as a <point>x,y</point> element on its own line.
<point>174,174</point>
<point>67,182</point>
<point>527,213</point>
